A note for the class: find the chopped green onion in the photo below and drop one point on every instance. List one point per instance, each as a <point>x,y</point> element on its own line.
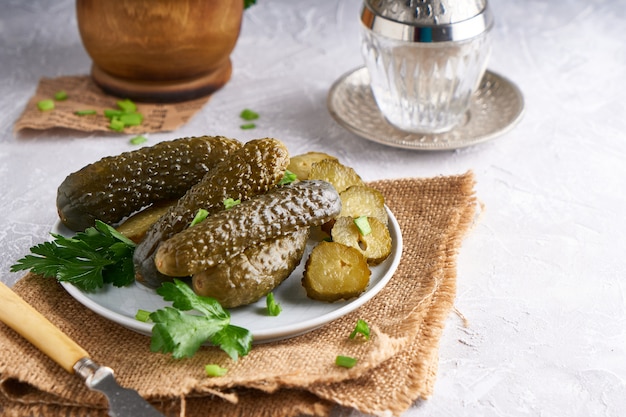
<point>199,217</point>
<point>85,112</point>
<point>230,203</point>
<point>138,140</point>
<point>142,315</point>
<point>247,126</point>
<point>362,328</point>
<point>60,95</point>
<point>131,119</point>
<point>345,361</point>
<point>363,225</point>
<point>126,115</point>
<point>273,308</point>
<point>45,105</point>
<point>127,106</point>
<point>288,178</point>
<point>116,124</point>
<point>215,370</point>
<point>111,113</point>
<point>248,114</point>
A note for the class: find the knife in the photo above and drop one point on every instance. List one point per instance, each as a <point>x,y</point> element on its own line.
<point>34,327</point>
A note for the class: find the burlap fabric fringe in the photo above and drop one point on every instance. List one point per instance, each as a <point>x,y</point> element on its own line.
<point>397,366</point>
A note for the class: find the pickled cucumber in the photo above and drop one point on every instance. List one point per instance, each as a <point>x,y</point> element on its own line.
<point>375,246</point>
<point>116,186</point>
<point>254,169</point>
<point>226,233</point>
<point>361,200</point>
<point>301,164</point>
<point>339,175</point>
<point>253,273</point>
<point>136,226</point>
<point>335,272</point>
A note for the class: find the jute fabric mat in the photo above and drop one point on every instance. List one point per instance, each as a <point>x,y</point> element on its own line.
<point>396,367</point>
<point>84,94</point>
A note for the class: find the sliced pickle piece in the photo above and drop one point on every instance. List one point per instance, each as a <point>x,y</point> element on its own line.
<point>375,246</point>
<point>254,169</point>
<point>137,225</point>
<point>226,233</point>
<point>116,186</point>
<point>335,272</point>
<point>301,164</point>
<point>361,200</point>
<point>253,273</point>
<point>339,175</point>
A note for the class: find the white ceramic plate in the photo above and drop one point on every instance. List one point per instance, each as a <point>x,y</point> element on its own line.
<point>299,313</point>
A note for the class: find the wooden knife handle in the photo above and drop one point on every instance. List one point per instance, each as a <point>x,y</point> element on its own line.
<point>30,324</point>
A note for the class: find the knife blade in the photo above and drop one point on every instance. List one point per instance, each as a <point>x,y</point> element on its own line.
<point>38,330</point>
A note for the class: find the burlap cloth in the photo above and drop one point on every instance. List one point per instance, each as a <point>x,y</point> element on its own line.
<point>84,94</point>
<point>396,367</point>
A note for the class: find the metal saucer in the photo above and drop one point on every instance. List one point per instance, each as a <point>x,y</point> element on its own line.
<point>496,107</point>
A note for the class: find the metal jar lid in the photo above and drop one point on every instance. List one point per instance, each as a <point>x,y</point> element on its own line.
<point>427,20</point>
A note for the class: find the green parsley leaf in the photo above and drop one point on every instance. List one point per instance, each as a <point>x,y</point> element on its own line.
<point>142,315</point>
<point>248,115</point>
<point>122,272</point>
<point>111,232</point>
<point>60,95</point>
<point>182,334</point>
<point>247,126</point>
<point>45,105</point>
<point>248,3</point>
<point>234,340</point>
<point>199,217</point>
<point>362,328</point>
<point>85,112</point>
<point>345,361</point>
<point>99,255</point>
<point>215,370</point>
<point>273,308</point>
<point>184,299</point>
<point>230,203</point>
<point>137,140</point>
<point>363,225</point>
<point>179,333</point>
<point>288,178</point>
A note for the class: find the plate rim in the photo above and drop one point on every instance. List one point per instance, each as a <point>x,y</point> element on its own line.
<point>273,334</point>
<point>418,143</point>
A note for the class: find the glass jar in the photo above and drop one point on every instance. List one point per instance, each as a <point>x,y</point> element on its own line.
<point>424,65</point>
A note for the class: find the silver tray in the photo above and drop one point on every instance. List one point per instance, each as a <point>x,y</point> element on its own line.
<point>496,107</point>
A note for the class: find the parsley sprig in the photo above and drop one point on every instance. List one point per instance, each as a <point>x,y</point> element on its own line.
<point>101,255</point>
<point>88,260</point>
<point>182,334</point>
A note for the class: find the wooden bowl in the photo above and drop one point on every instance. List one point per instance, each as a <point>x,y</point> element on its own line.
<point>160,50</point>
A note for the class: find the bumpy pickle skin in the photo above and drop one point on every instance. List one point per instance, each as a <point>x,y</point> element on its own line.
<point>254,169</point>
<point>224,234</point>
<point>116,186</point>
<point>252,274</point>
